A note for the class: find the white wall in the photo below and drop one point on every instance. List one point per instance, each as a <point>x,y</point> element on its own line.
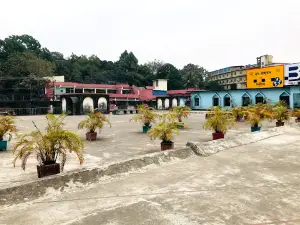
<point>56,78</point>
<point>162,85</point>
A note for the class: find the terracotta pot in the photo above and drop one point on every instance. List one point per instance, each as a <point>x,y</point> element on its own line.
<point>166,145</point>
<point>47,170</point>
<point>91,136</point>
<point>217,136</point>
<point>297,120</point>
<point>279,124</point>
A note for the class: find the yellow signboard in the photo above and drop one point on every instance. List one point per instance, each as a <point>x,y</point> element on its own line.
<point>266,77</point>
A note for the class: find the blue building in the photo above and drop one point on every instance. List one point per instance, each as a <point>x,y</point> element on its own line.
<point>202,100</point>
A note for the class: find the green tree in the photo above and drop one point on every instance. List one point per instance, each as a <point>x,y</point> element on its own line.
<point>18,43</point>
<point>24,64</point>
<point>194,76</point>
<point>170,72</point>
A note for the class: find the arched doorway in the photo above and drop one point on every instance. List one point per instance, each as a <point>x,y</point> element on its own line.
<point>259,98</point>
<point>167,103</point>
<point>102,103</point>
<point>174,102</point>
<point>64,105</point>
<point>159,103</point>
<point>88,105</point>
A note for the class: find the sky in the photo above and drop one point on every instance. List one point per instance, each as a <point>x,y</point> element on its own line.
<point>211,33</point>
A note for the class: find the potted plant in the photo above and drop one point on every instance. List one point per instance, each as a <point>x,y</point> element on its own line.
<point>255,114</point>
<point>296,113</point>
<point>181,112</point>
<point>165,130</point>
<point>7,127</point>
<point>53,143</point>
<point>238,113</point>
<point>91,123</point>
<point>146,116</point>
<point>219,121</point>
<point>281,113</point>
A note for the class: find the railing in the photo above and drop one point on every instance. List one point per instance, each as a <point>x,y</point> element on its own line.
<point>30,111</point>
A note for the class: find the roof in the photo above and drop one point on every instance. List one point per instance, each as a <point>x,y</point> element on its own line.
<point>80,85</point>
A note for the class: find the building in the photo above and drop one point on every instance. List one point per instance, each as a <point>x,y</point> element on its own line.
<point>234,77</point>
<point>266,84</point>
<point>230,78</point>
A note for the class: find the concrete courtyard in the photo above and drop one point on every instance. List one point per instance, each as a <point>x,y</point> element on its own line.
<point>124,140</point>
<point>251,184</point>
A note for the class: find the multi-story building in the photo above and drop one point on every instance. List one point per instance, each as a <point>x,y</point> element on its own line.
<point>234,77</point>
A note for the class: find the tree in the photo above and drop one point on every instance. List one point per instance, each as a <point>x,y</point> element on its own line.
<point>194,76</point>
<point>213,85</point>
<point>154,66</point>
<point>170,72</point>
<point>24,64</point>
<point>18,43</point>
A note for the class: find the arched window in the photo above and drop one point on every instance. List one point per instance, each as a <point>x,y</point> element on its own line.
<point>216,100</point>
<point>259,98</point>
<point>196,101</point>
<point>246,99</point>
<point>285,98</point>
<point>227,100</point>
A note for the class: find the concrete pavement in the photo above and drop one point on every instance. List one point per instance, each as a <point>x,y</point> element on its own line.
<point>251,184</point>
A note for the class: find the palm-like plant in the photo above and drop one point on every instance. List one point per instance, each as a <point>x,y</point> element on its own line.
<point>94,121</point>
<point>296,113</point>
<point>145,115</point>
<point>165,129</point>
<point>49,145</point>
<point>181,112</point>
<point>7,126</point>
<point>256,113</point>
<point>238,112</point>
<point>219,121</point>
<point>281,112</point>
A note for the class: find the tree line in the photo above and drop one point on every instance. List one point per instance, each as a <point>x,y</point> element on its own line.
<point>24,56</point>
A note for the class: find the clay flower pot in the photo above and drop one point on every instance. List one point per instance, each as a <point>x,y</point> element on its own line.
<point>166,145</point>
<point>48,169</point>
<point>91,136</point>
<point>217,136</point>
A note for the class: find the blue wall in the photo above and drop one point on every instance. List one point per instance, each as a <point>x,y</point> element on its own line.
<point>272,94</point>
<point>157,92</point>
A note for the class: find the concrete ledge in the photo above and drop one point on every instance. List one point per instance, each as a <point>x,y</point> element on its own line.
<point>212,147</point>
<point>36,189</point>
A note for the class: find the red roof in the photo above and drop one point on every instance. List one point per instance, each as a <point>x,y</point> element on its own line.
<point>80,85</point>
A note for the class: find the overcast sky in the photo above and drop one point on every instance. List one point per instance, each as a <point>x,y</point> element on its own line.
<point>210,33</point>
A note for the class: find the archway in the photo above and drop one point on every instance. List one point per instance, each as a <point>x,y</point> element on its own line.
<point>167,103</point>
<point>159,103</point>
<point>174,102</point>
<point>88,105</point>
<point>102,103</point>
<point>64,105</point>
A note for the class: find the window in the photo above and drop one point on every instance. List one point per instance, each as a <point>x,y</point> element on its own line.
<point>100,91</point>
<point>197,101</point>
<point>227,101</point>
<point>78,90</point>
<point>156,83</point>
<point>259,99</point>
<point>272,79</point>
<point>245,100</point>
<point>215,101</point>
<point>241,72</point>
<point>255,81</point>
<point>263,80</point>
<point>112,91</point>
